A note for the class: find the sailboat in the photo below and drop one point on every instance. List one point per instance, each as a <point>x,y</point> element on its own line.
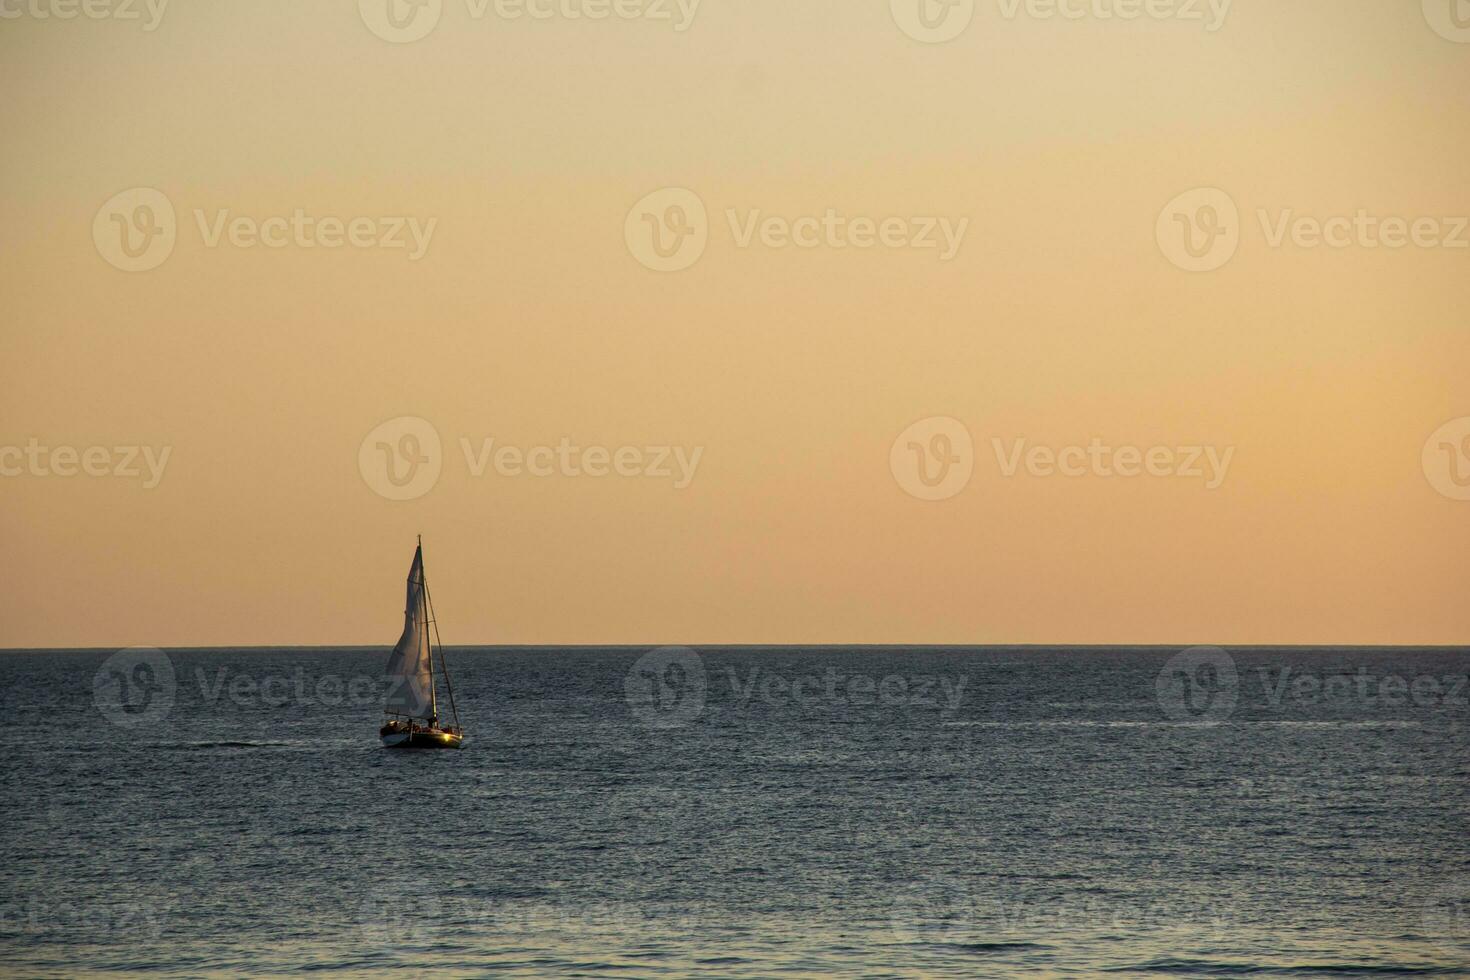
<point>413,701</point>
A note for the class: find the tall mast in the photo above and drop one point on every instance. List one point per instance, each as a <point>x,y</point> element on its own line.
<point>424,604</point>
<point>443,661</point>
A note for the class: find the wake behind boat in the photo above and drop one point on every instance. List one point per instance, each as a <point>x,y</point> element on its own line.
<point>413,701</point>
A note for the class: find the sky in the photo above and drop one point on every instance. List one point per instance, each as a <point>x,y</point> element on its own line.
<point>847,321</point>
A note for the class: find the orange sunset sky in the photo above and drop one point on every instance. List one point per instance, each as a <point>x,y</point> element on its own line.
<point>529,314</point>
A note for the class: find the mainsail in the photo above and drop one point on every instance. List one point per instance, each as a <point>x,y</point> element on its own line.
<point>411,667</point>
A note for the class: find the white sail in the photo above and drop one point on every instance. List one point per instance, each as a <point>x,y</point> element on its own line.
<point>410,670</point>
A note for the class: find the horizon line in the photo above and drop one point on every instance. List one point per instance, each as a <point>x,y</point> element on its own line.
<point>762,646</point>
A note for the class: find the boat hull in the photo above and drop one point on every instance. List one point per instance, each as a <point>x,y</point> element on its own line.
<point>422,740</point>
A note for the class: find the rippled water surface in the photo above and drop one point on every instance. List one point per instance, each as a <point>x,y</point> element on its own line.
<point>739,812</point>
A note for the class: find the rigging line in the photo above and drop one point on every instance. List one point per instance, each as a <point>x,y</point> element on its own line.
<point>443,661</point>
<point>424,605</point>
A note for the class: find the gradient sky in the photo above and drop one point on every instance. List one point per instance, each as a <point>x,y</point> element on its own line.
<point>528,321</point>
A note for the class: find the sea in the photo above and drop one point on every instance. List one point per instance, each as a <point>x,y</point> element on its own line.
<point>741,812</point>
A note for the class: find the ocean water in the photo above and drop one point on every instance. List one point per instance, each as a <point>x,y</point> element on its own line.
<point>742,812</point>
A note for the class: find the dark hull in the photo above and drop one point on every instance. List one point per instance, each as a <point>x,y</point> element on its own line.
<point>422,740</point>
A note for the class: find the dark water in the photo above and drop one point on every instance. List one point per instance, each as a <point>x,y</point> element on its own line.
<point>742,813</point>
